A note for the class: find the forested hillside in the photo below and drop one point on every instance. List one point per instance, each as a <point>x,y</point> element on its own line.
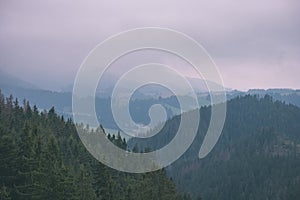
<point>256,157</point>
<point>41,157</point>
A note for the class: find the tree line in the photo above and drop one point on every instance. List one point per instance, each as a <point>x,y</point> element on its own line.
<point>42,157</point>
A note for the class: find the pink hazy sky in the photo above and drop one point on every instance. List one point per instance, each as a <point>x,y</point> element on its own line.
<point>255,43</point>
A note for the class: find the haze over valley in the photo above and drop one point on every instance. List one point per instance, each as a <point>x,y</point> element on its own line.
<point>150,100</point>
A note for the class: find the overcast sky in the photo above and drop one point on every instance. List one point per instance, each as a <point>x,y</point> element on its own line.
<point>255,43</point>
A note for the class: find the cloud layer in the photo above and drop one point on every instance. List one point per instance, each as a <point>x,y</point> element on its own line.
<point>255,43</point>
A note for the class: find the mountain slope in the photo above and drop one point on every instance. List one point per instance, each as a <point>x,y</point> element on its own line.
<point>256,157</point>
<point>42,157</point>
<point>9,81</point>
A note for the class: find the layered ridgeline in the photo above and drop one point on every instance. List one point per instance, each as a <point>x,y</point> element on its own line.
<point>256,157</point>
<point>139,104</point>
<point>41,157</point>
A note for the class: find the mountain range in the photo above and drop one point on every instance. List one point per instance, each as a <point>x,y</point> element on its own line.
<point>256,157</point>
<point>140,102</point>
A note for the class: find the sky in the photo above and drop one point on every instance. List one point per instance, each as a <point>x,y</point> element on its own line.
<point>254,43</point>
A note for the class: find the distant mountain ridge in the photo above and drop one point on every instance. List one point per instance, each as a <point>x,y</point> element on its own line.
<point>139,105</point>
<point>107,84</point>
<point>8,80</point>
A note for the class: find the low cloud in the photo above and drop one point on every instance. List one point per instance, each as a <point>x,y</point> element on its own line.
<point>46,41</point>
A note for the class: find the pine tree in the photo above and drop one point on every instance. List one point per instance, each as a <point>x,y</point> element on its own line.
<point>41,157</point>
